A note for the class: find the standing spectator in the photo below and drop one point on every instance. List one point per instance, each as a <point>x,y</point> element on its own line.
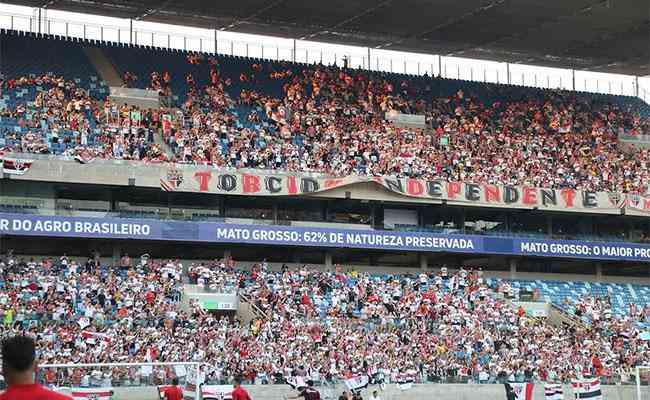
<point>174,392</point>
<point>19,369</point>
<point>239,393</point>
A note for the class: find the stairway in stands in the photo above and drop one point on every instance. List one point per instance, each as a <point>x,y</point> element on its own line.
<point>103,65</point>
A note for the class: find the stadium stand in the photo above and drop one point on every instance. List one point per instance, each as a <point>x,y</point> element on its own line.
<point>238,112</point>
<point>432,327</point>
<point>325,323</point>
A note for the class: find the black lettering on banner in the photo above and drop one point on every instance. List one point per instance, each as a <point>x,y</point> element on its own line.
<point>510,194</point>
<point>549,197</point>
<point>434,188</point>
<point>227,182</point>
<point>472,192</point>
<point>308,185</point>
<point>589,199</point>
<point>394,185</point>
<point>273,184</point>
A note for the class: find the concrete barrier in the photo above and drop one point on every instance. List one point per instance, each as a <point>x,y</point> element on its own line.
<point>392,392</point>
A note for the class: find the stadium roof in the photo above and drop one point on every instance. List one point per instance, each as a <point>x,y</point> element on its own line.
<point>597,35</point>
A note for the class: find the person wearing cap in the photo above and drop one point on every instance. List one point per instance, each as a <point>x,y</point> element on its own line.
<point>19,366</point>
<point>307,393</point>
<point>239,393</point>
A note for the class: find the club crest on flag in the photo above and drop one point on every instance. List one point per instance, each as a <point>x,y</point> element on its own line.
<point>617,199</point>
<point>173,180</point>
<point>175,176</point>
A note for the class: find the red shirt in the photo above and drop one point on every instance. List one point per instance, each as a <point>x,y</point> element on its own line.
<point>173,393</point>
<point>238,394</point>
<point>33,391</point>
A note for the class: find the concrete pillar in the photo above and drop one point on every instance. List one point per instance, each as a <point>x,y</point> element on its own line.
<point>328,259</point>
<point>599,271</point>
<point>423,261</point>
<point>508,73</point>
<point>293,56</point>
<point>636,86</point>
<point>130,31</point>
<point>117,254</point>
<point>222,206</point>
<point>513,268</point>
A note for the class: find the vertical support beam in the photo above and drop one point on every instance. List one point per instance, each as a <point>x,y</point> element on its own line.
<point>222,206</point>
<point>368,58</point>
<point>573,80</point>
<point>423,261</point>
<point>216,46</point>
<point>439,66</point>
<point>508,73</point>
<point>130,31</point>
<point>39,21</point>
<point>275,213</point>
<point>513,263</point>
<point>549,225</point>
<point>636,86</point>
<point>599,271</point>
<point>293,52</point>
<point>328,259</point>
<point>117,254</point>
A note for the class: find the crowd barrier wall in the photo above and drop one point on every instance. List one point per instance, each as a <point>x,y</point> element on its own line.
<point>392,392</point>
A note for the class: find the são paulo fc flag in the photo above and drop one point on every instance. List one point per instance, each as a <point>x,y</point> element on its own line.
<point>216,392</point>
<point>553,391</point>
<point>588,388</point>
<point>357,382</point>
<point>92,394</point>
<point>519,391</point>
<point>16,166</point>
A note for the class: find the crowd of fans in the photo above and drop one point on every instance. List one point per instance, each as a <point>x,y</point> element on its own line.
<point>332,120</point>
<point>62,113</point>
<point>309,323</point>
